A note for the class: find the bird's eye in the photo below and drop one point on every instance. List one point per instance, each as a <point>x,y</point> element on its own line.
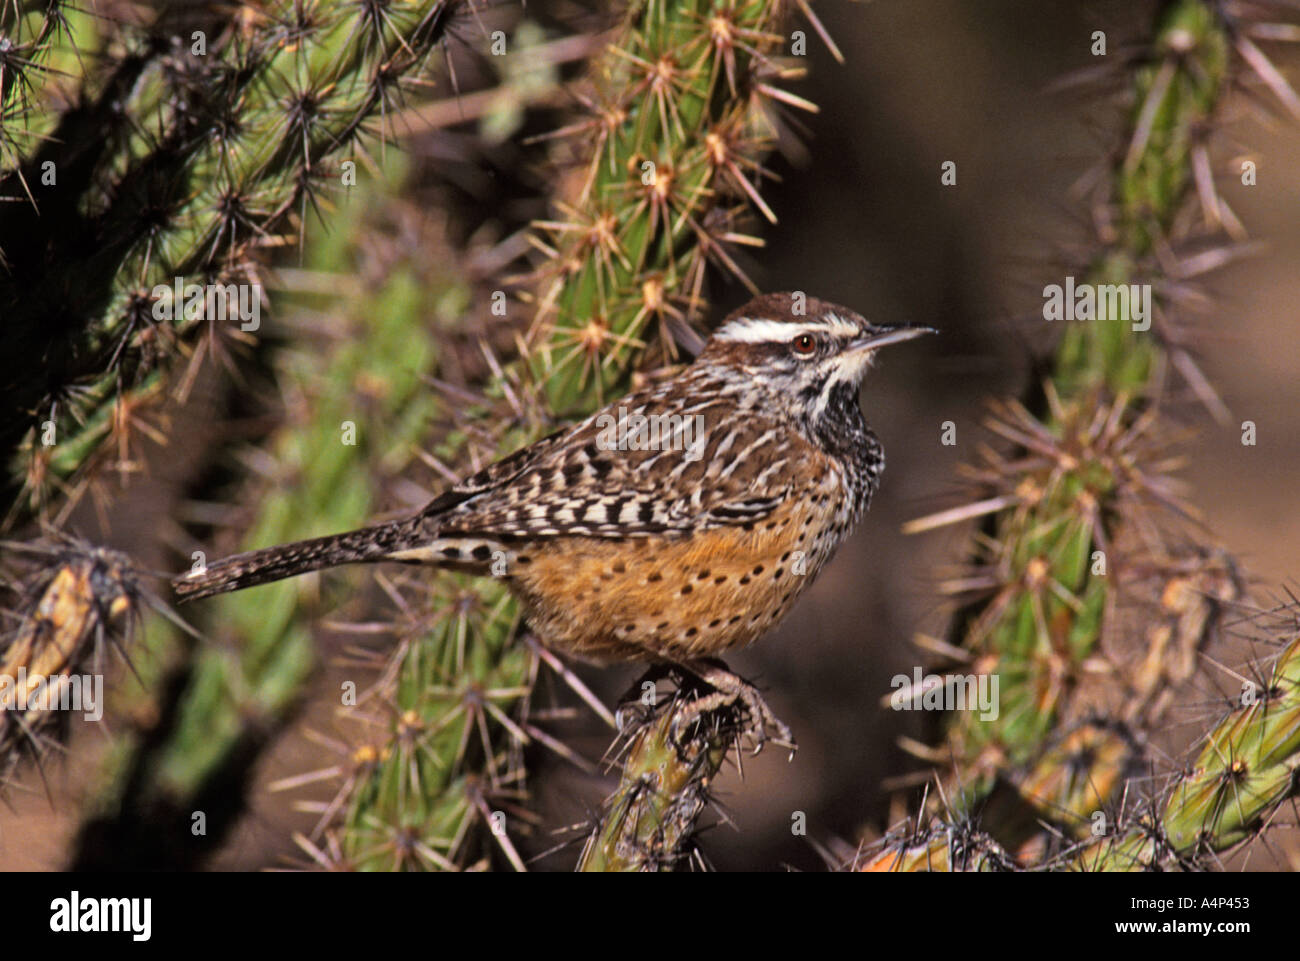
<point>804,344</point>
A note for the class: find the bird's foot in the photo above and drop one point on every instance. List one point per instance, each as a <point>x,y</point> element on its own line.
<point>731,690</point>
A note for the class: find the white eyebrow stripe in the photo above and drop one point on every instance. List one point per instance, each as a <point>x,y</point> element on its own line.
<point>748,330</point>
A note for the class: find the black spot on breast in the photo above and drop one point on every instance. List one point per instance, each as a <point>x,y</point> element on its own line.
<point>745,579</point>
<point>523,559</point>
<point>687,589</point>
<point>482,552</point>
<point>703,575</point>
<point>777,573</point>
<point>619,568</point>
<point>653,577</point>
<point>758,570</point>
<point>692,631</point>
<point>452,553</point>
<point>721,578</point>
<point>715,622</point>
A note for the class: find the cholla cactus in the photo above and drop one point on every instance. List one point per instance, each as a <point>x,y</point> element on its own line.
<point>67,603</point>
<point>356,407</point>
<point>669,758</point>
<point>1082,521</point>
<point>1224,798</point>
<point>162,149</point>
<point>1245,770</point>
<point>682,112</point>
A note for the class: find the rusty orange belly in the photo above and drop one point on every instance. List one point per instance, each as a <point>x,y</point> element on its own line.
<point>694,595</point>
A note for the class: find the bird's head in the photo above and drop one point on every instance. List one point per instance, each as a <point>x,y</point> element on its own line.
<point>802,351</point>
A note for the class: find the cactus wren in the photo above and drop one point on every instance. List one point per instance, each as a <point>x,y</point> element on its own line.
<point>680,522</point>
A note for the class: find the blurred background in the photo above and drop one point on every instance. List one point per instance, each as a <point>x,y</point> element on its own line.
<point>863,221</point>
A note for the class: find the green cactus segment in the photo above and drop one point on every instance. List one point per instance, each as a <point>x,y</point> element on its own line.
<point>207,140</point>
<point>442,787</point>
<point>1047,618</point>
<point>39,64</point>
<point>1068,787</point>
<point>325,485</point>
<point>357,410</point>
<point>436,780</point>
<point>1176,95</point>
<point>679,133</point>
<point>1046,621</point>
<point>1244,771</point>
<point>1246,768</point>
<point>663,789</point>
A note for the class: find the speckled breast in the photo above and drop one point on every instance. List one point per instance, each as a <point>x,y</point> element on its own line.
<point>690,595</point>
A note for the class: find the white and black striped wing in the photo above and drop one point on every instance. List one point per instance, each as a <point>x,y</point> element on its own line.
<point>721,470</point>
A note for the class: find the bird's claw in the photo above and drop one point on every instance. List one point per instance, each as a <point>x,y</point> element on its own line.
<point>732,690</point>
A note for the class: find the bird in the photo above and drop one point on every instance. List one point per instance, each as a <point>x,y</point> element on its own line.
<point>678,523</point>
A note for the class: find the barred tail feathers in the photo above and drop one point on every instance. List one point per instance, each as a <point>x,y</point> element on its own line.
<point>369,544</point>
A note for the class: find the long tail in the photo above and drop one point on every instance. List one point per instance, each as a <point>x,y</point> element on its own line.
<point>234,573</point>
